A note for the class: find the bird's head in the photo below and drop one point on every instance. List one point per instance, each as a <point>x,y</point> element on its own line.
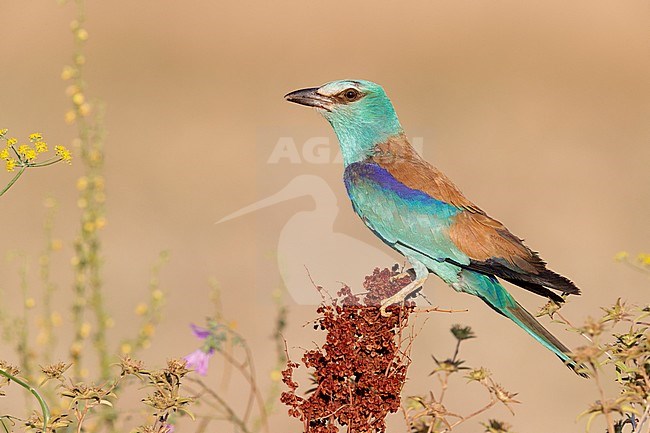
<point>359,111</point>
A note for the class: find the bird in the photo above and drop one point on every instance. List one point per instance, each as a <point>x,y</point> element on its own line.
<point>416,209</point>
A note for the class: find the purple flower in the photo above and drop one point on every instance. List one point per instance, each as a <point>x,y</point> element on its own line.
<point>198,361</point>
<point>169,428</point>
<point>201,333</point>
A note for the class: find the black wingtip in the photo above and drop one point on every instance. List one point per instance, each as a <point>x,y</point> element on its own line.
<point>558,282</point>
<point>580,369</point>
<point>541,282</point>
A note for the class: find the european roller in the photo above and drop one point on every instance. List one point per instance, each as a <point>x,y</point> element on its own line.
<point>418,211</point>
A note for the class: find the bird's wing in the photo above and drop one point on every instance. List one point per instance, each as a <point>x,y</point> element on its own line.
<point>402,217</point>
<point>493,250</point>
<point>489,246</point>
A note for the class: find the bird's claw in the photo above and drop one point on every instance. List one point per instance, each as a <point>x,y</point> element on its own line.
<point>383,311</point>
<point>410,272</point>
<point>399,276</point>
<point>399,297</point>
<point>395,299</point>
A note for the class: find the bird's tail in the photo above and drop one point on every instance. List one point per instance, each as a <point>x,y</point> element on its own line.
<point>497,297</point>
<point>528,323</point>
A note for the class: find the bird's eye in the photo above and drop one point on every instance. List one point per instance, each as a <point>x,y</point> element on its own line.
<point>351,94</point>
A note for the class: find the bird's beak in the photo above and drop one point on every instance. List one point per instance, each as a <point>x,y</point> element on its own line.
<point>311,98</point>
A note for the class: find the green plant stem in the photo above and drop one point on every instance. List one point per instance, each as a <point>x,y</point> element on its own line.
<point>44,408</point>
<point>247,370</point>
<point>232,415</point>
<point>46,163</point>
<point>453,358</point>
<point>12,181</point>
<point>471,415</point>
<point>26,356</point>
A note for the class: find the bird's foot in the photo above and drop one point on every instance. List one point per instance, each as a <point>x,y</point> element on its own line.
<point>406,273</point>
<point>399,297</point>
<point>399,276</point>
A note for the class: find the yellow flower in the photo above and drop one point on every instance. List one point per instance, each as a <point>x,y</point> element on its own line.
<point>69,117</point>
<point>68,72</point>
<point>76,348</point>
<point>22,149</point>
<point>36,136</point>
<point>63,153</point>
<point>276,375</point>
<point>11,164</point>
<point>56,244</point>
<point>157,295</point>
<point>30,303</point>
<point>644,258</point>
<point>84,331</point>
<point>56,319</point>
<point>82,34</point>
<point>26,152</point>
<point>94,155</point>
<point>72,90</point>
<point>82,183</point>
<point>41,338</point>
<point>3,132</point>
<point>100,197</point>
<point>100,223</point>
<point>148,330</point>
<point>621,255</point>
<point>99,182</point>
<point>4,153</point>
<point>126,348</point>
<point>78,98</point>
<point>11,141</point>
<point>478,374</point>
<point>41,146</point>
<point>141,309</point>
<point>84,110</point>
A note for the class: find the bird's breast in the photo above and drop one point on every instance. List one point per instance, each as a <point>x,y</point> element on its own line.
<point>390,208</point>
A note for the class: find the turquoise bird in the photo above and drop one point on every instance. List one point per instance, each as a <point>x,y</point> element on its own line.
<point>418,211</point>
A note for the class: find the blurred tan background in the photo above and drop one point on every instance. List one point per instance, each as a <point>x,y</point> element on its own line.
<point>539,111</point>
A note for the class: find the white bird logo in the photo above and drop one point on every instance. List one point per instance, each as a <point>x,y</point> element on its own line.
<point>309,246</point>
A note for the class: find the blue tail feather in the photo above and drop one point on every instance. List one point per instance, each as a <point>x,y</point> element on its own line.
<point>496,296</point>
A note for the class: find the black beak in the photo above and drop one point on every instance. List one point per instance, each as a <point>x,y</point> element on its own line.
<point>311,98</point>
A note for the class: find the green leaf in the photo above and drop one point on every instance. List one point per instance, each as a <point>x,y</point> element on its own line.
<point>188,413</point>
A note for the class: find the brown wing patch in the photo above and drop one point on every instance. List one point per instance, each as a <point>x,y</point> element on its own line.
<point>483,238</point>
<point>402,161</point>
<point>493,250</point>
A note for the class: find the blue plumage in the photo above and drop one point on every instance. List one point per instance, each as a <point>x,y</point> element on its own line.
<point>371,175</point>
